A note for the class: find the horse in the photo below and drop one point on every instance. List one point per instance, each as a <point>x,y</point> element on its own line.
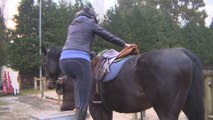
<point>50,59</point>
<point>55,79</point>
<point>167,79</point>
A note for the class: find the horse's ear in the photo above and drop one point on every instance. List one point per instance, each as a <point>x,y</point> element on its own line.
<point>43,50</point>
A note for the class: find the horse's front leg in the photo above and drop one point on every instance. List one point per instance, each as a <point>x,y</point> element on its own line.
<point>67,89</point>
<point>98,112</point>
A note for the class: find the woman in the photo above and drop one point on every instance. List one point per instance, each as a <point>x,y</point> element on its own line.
<point>75,58</point>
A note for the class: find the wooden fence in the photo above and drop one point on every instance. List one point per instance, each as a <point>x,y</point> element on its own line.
<point>208,96</point>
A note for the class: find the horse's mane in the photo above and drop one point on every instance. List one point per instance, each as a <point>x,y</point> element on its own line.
<point>54,52</point>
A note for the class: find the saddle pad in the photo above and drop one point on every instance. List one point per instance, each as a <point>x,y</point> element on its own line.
<point>114,69</point>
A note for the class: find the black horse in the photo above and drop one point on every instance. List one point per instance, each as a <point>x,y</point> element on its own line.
<point>64,86</point>
<point>55,79</point>
<point>50,60</point>
<point>169,80</point>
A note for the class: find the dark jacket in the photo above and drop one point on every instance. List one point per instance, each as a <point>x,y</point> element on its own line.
<point>81,33</point>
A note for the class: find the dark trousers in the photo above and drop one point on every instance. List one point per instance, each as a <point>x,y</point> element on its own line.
<point>80,70</point>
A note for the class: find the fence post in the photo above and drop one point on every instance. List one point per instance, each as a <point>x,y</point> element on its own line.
<point>35,84</point>
<point>208,88</point>
<point>42,84</point>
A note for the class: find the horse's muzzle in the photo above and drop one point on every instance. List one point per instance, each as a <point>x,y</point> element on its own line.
<point>51,85</point>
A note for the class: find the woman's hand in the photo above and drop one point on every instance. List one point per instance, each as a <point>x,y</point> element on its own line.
<point>128,45</point>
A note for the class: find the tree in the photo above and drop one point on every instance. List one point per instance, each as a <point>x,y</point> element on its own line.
<point>153,24</point>
<point>199,40</point>
<point>24,49</point>
<point>55,22</point>
<point>145,26</point>
<point>3,42</point>
<point>180,10</point>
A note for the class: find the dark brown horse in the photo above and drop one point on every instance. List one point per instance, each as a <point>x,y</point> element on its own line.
<point>50,60</point>
<point>169,80</point>
<point>63,86</point>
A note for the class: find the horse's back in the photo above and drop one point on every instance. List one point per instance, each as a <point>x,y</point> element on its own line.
<point>165,61</point>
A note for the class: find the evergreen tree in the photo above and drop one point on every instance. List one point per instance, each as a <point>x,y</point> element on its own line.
<point>187,10</point>
<point>24,43</point>
<point>24,48</point>
<point>199,40</point>
<point>145,26</point>
<point>3,41</point>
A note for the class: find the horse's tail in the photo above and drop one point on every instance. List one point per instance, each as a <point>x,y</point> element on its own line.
<point>194,108</point>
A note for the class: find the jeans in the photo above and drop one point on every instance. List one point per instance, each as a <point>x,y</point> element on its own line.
<point>80,70</point>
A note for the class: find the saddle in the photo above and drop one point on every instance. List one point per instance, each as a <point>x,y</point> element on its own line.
<point>101,64</point>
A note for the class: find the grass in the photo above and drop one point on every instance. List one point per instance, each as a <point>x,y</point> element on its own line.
<point>31,91</point>
<point>23,92</point>
<point>2,103</point>
<point>28,91</point>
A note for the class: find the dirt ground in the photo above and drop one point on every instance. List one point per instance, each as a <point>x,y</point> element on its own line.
<point>22,107</point>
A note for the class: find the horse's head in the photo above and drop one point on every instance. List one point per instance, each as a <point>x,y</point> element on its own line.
<point>51,65</point>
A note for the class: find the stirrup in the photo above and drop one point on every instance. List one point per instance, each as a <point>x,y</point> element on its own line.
<point>97,98</point>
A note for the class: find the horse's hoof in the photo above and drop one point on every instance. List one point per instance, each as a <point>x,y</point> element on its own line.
<point>66,108</point>
<point>59,91</point>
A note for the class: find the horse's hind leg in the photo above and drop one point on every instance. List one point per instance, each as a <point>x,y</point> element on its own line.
<point>165,114</point>
<point>169,109</point>
<point>98,112</point>
<point>168,106</point>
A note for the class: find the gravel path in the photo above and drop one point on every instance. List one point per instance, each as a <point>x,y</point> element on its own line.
<point>24,106</point>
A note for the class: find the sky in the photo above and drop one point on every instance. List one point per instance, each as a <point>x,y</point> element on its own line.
<point>11,10</point>
<point>209,10</point>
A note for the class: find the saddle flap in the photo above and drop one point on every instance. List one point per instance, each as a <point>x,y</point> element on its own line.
<point>101,63</point>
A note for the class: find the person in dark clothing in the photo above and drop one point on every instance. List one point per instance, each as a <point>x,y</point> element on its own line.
<point>75,58</point>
